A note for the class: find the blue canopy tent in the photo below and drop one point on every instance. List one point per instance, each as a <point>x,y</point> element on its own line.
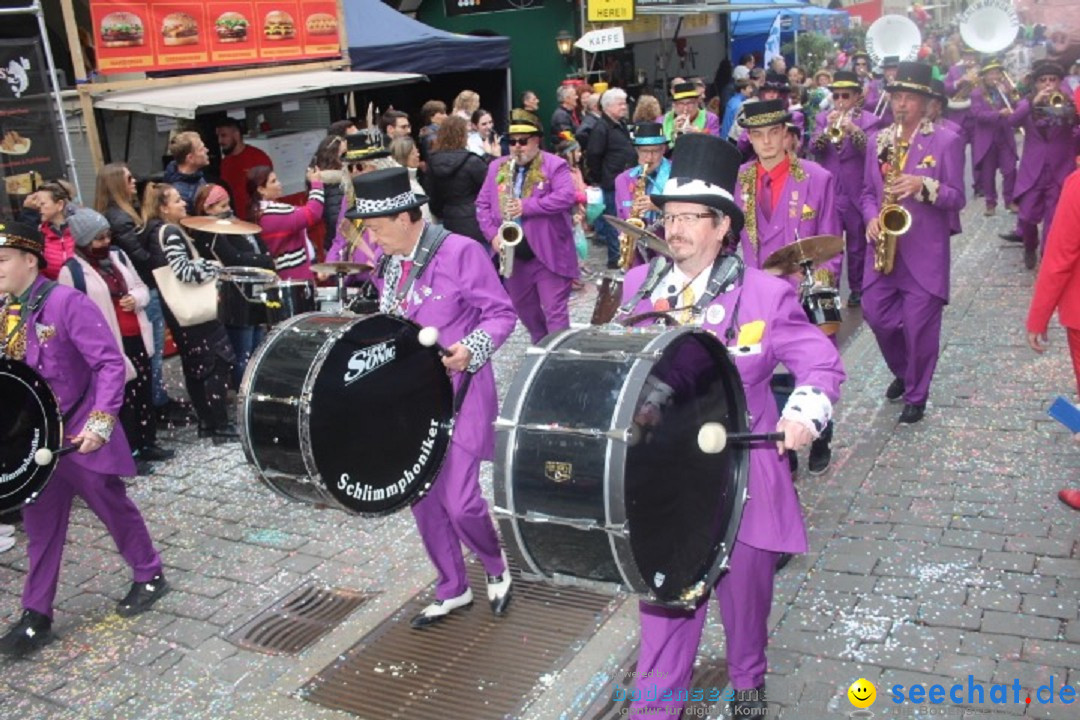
<point>750,29</point>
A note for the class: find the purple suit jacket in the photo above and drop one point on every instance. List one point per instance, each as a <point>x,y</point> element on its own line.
<point>807,207</point>
<point>775,330</point>
<point>546,214</point>
<point>69,343</point>
<point>847,162</point>
<point>459,293</point>
<point>960,117</point>
<point>937,154</point>
<point>626,183</point>
<point>988,127</point>
<point>1048,148</point>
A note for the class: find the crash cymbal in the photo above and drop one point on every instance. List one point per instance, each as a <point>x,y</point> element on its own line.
<point>339,268</point>
<point>221,226</point>
<point>651,240</point>
<point>817,249</point>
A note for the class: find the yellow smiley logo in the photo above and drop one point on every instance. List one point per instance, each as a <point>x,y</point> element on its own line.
<point>862,693</point>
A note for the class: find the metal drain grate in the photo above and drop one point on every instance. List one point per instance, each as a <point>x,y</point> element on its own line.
<point>710,674</point>
<point>298,620</point>
<point>472,665</point>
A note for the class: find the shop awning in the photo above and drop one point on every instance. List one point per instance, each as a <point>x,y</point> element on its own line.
<point>696,7</point>
<point>187,101</point>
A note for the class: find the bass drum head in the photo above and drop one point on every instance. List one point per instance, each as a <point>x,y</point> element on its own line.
<point>29,420</point>
<point>683,506</point>
<point>380,416</point>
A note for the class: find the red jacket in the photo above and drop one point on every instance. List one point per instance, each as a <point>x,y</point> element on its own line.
<point>59,247</point>
<point>1058,284</point>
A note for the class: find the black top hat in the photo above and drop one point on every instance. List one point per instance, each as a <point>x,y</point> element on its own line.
<point>937,87</point>
<point>776,81</point>
<point>890,61</point>
<point>649,133</point>
<point>764,113</point>
<point>364,146</point>
<point>912,77</point>
<point>684,91</point>
<point>22,236</point>
<point>845,80</point>
<point>383,192</point>
<point>704,170</point>
<point>1047,67</point>
<point>860,55</point>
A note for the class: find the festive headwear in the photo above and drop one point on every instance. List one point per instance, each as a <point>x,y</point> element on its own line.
<point>567,144</point>
<point>776,81</point>
<point>649,133</point>
<point>522,122</point>
<point>890,61</point>
<point>364,146</point>
<point>764,113</point>
<point>383,192</point>
<point>912,77</point>
<point>704,170</point>
<point>937,87</point>
<point>992,64</point>
<point>23,237</point>
<point>860,55</point>
<point>1047,67</point>
<point>85,225</point>
<point>684,91</point>
<point>845,80</point>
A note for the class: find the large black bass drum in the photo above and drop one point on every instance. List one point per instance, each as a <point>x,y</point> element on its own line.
<point>30,419</point>
<point>346,411</point>
<point>599,479</point>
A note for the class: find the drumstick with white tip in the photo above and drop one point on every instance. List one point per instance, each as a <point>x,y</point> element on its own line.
<point>429,337</point>
<point>44,456</point>
<point>713,437</point>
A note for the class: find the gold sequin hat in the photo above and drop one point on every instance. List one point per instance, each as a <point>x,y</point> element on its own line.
<point>22,237</point>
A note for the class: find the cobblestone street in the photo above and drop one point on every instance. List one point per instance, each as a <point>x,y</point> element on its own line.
<point>938,551</point>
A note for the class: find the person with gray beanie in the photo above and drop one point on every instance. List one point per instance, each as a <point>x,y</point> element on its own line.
<point>105,274</point>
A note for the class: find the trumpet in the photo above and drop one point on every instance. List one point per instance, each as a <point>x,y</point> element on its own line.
<point>509,233</point>
<point>835,132</point>
<point>1056,100</point>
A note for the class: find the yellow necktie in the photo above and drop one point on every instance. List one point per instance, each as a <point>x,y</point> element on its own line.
<point>686,301</point>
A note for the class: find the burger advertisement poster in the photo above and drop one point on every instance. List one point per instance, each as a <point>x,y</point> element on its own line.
<point>172,35</point>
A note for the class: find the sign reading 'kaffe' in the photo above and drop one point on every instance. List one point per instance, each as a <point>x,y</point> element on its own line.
<point>610,10</point>
<point>174,34</point>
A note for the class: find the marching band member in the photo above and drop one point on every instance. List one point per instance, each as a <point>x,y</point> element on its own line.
<point>650,143</point>
<point>1049,138</point>
<point>993,139</point>
<point>776,87</point>
<point>540,197</point>
<point>759,318</point>
<point>845,158</point>
<point>935,110</point>
<point>686,114</point>
<point>443,280</point>
<point>872,100</point>
<point>960,81</point>
<point>784,198</point>
<point>62,334</point>
<point>925,166</point>
<point>860,65</point>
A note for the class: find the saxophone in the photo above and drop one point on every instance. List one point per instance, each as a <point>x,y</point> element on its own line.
<point>509,232</point>
<point>893,217</point>
<point>627,243</point>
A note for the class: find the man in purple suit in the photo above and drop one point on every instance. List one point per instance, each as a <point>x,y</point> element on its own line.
<point>1049,138</point>
<point>60,333</point>
<point>925,166</point>
<point>445,281</point>
<point>993,137</point>
<point>961,80</point>
<point>650,144</point>
<point>873,100</point>
<point>760,320</point>
<point>539,195</point>
<point>845,158</point>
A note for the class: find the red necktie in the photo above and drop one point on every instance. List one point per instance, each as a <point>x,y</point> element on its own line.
<point>766,196</point>
<point>406,266</point>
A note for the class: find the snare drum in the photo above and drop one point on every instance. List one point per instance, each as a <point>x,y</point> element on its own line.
<point>348,411</point>
<point>289,298</point>
<point>608,297</point>
<point>822,306</point>
<point>328,302</point>
<point>30,419</point>
<point>242,295</point>
<point>586,496</point>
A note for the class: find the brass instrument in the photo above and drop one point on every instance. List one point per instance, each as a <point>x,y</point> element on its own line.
<point>1004,93</point>
<point>961,100</point>
<point>611,282</point>
<point>509,233</point>
<point>893,218</point>
<point>882,105</point>
<point>1056,100</point>
<point>627,243</point>
<point>835,132</point>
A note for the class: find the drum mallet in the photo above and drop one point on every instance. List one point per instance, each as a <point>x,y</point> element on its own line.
<point>44,456</point>
<point>713,437</point>
<point>429,337</point>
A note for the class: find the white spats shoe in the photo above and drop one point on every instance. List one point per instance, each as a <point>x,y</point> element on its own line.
<point>6,543</point>
<point>498,590</point>
<point>6,530</point>
<point>439,609</point>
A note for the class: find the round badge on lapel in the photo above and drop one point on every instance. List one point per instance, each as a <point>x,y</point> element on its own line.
<point>715,314</point>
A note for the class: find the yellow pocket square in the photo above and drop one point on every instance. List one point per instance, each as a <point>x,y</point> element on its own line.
<point>808,213</point>
<point>928,162</point>
<point>751,332</point>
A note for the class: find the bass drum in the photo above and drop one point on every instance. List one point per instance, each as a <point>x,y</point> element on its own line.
<point>346,411</point>
<point>591,491</point>
<point>30,419</point>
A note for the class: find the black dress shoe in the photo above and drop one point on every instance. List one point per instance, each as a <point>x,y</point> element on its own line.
<point>32,632</point>
<point>142,596</point>
<point>226,434</point>
<point>156,453</point>
<point>143,468</point>
<point>175,414</point>
<point>912,413</point>
<point>820,455</point>
<point>785,558</point>
<point>438,610</point>
<point>895,390</point>
<point>1029,258</point>
<point>854,299</point>
<point>750,704</point>
<point>1011,237</point>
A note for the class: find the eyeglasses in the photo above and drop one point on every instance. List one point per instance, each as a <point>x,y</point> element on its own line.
<point>687,219</point>
<point>522,141</point>
<point>841,96</point>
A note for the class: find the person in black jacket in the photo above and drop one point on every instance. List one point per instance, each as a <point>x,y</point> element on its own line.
<point>565,116</point>
<point>455,176</point>
<point>610,151</point>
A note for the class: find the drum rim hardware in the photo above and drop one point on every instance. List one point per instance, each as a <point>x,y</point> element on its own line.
<point>38,474</point>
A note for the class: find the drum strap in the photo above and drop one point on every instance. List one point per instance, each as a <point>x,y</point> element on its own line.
<point>430,241</point>
<point>658,268</point>
<point>727,271</point>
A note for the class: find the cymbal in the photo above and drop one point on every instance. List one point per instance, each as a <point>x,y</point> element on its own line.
<point>339,268</point>
<point>221,226</point>
<point>817,249</point>
<point>651,240</point>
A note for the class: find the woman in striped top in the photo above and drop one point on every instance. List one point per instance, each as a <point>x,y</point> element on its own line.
<point>284,227</point>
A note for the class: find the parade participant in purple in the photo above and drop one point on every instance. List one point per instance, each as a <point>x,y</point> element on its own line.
<point>846,160</point>
<point>935,109</point>
<point>760,320</point>
<point>540,197</point>
<point>960,81</point>
<point>650,144</point>
<point>873,102</point>
<point>993,138</point>
<point>860,65</point>
<point>904,307</point>
<point>686,114</point>
<point>776,87</point>
<point>61,334</point>
<point>1049,138</point>
<point>446,281</point>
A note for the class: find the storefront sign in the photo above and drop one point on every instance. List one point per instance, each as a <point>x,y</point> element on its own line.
<point>596,41</point>
<point>175,35</point>
<point>610,10</point>
<point>29,142</point>
<point>474,7</point>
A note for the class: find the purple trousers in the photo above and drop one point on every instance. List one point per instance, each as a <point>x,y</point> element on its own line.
<point>46,524</point>
<point>855,233</point>
<point>455,512</point>
<point>906,321</point>
<point>1037,205</point>
<point>1001,156</point>
<point>541,298</point>
<point>670,637</point>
